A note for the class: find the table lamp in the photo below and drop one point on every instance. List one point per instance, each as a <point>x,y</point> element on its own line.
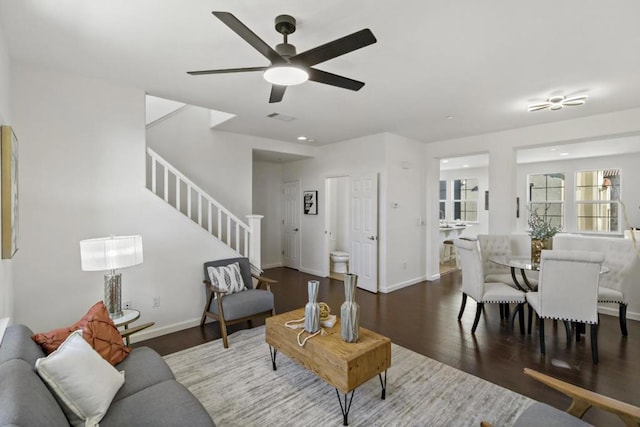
<point>110,253</point>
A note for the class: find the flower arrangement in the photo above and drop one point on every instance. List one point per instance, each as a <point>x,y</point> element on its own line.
<point>541,229</point>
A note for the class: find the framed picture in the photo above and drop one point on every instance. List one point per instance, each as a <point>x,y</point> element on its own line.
<point>9,191</point>
<point>310,203</point>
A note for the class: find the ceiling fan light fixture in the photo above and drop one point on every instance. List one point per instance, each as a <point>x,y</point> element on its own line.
<point>286,75</point>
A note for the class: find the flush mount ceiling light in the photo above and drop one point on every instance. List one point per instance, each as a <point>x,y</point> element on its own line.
<point>558,102</point>
<point>286,75</point>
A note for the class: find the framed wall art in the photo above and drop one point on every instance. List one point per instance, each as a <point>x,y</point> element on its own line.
<point>9,191</point>
<point>310,203</point>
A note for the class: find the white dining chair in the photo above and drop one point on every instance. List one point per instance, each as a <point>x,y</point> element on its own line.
<point>474,285</point>
<point>568,291</point>
<point>504,245</point>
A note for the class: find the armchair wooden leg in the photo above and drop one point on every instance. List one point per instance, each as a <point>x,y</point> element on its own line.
<point>622,314</point>
<point>501,311</point>
<point>206,308</point>
<point>477,319</point>
<point>223,332</point>
<point>250,322</point>
<point>594,343</point>
<point>541,332</point>
<point>464,303</point>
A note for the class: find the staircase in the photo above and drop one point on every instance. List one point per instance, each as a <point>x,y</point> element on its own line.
<point>173,187</point>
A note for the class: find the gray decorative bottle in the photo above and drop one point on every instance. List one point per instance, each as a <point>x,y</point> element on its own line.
<point>350,310</point>
<point>312,309</point>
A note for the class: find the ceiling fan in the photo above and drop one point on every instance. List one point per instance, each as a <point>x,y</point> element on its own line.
<point>288,67</point>
<point>558,102</point>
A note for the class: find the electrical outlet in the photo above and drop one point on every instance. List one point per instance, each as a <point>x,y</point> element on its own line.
<point>127,305</point>
<point>156,302</point>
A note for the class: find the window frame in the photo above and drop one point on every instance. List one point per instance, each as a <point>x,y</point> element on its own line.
<point>462,201</point>
<point>614,205</point>
<point>546,202</point>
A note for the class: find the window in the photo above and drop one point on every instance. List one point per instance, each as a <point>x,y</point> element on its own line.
<point>465,199</point>
<point>546,197</point>
<point>597,195</point>
<point>443,199</point>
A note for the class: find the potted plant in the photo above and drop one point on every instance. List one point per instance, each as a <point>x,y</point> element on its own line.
<point>541,232</point>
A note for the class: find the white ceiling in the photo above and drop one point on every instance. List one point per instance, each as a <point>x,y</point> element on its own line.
<point>480,62</point>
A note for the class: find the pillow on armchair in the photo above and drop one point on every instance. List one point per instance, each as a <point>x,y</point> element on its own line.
<point>97,329</point>
<point>227,278</point>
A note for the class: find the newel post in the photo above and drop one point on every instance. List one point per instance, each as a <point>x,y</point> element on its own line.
<point>254,222</point>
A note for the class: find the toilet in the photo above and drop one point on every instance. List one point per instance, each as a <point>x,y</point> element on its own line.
<point>339,261</point>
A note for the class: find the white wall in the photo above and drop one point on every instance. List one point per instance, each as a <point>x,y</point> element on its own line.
<point>404,237</point>
<point>218,162</point>
<point>482,175</point>
<point>82,175</point>
<point>502,173</point>
<point>630,177</point>
<point>348,158</point>
<point>6,117</point>
<point>267,201</point>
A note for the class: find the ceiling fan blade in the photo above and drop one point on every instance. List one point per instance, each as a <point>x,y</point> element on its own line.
<point>277,92</point>
<point>226,70</point>
<point>335,48</point>
<point>249,36</point>
<point>334,79</point>
<point>574,101</point>
<point>539,107</point>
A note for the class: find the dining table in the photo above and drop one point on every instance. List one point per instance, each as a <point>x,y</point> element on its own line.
<point>524,264</point>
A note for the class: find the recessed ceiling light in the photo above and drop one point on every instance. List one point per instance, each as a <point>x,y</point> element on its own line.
<point>564,154</point>
<point>445,161</point>
<point>465,166</point>
<point>558,102</point>
<point>449,117</point>
<point>554,149</point>
<point>302,138</point>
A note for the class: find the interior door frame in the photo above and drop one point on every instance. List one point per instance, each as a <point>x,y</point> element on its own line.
<point>297,213</point>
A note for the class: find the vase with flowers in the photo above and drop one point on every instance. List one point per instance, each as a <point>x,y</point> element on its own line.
<point>541,231</point>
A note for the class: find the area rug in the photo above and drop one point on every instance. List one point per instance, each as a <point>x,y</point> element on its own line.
<point>238,387</point>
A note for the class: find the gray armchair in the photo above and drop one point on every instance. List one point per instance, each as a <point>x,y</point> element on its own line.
<point>229,308</point>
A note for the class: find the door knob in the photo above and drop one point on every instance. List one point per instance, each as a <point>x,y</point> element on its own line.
<point>295,229</point>
<point>371,237</point>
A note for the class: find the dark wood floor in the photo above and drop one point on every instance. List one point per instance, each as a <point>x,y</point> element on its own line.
<point>423,318</point>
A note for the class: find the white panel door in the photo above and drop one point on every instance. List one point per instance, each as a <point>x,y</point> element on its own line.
<point>363,256</point>
<point>291,222</point>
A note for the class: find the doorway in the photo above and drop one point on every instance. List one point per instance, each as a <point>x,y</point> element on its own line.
<point>337,237</point>
<point>291,223</point>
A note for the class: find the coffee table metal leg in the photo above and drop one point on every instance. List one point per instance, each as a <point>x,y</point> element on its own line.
<point>383,396</point>
<point>273,352</point>
<point>345,408</point>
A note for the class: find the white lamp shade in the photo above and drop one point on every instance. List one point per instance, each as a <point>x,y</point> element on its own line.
<point>109,253</point>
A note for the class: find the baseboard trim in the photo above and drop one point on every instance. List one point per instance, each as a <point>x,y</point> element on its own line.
<point>433,277</point>
<point>614,312</point>
<point>401,285</point>
<point>314,272</point>
<point>273,265</point>
<point>164,330</point>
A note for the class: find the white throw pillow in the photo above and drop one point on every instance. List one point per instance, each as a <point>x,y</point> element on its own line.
<point>228,278</point>
<point>81,379</point>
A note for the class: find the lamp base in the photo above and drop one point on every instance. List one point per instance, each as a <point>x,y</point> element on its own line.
<point>112,297</point>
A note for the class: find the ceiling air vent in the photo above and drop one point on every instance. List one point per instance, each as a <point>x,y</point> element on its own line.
<point>281,117</point>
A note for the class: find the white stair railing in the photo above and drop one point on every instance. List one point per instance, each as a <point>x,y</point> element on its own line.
<point>168,183</point>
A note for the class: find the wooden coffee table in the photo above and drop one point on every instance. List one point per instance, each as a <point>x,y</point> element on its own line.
<point>343,365</point>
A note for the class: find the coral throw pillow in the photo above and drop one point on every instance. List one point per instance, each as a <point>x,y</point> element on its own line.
<point>97,329</point>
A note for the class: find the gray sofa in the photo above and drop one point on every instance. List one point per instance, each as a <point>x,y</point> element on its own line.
<point>150,396</point>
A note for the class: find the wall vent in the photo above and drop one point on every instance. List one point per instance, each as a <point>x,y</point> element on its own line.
<point>281,117</point>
